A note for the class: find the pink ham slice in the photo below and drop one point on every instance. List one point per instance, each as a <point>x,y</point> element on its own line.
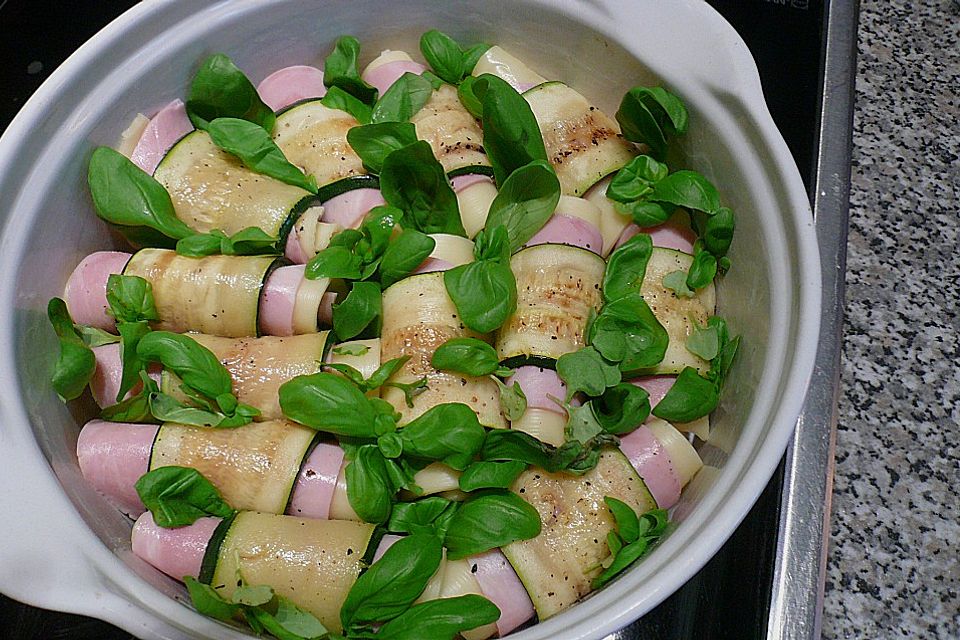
<point>293,250</point>
<point>178,552</point>
<point>386,74</point>
<point>289,85</point>
<point>167,127</point>
<point>105,383</point>
<point>386,542</point>
<point>655,386</point>
<point>316,482</point>
<point>278,300</point>
<point>348,208</point>
<point>113,456</point>
<point>562,229</point>
<point>459,183</point>
<point>669,235</point>
<point>86,290</point>
<point>653,464</point>
<point>500,585</point>
<point>432,264</point>
<point>538,385</point>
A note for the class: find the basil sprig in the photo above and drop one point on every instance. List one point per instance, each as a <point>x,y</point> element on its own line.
<point>337,98</point>
<point>430,515</point>
<point>649,114</point>
<point>75,363</point>
<point>491,474</point>
<point>621,408</point>
<point>359,310</point>
<point>254,146</point>
<point>632,538</point>
<point>468,355</point>
<point>132,200</point>
<point>178,496</point>
<point>328,402</point>
<point>489,521</point>
<point>413,180</point>
<point>403,99</point>
<point>573,457</point>
<point>341,70</point>
<point>628,333</point>
<point>132,305</point>
<point>440,619</point>
<point>372,483</point>
<point>404,254</point>
<point>586,371</point>
<point>526,200</point>
<point>220,90</point>
<point>374,142</point>
<point>693,396</point>
<point>484,291</point>
<point>447,59</point>
<point>251,241</point>
<point>448,432</point>
<point>511,135</point>
<point>263,609</point>
<point>626,267</point>
<point>355,254</point>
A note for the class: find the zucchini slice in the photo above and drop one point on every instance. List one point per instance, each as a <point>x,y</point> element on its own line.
<point>679,316</point>
<point>314,137</point>
<point>253,466</point>
<point>314,563</point>
<point>503,65</point>
<point>583,143</point>
<point>212,189</point>
<point>418,317</point>
<point>219,295</point>
<point>258,366</point>
<point>557,286</point>
<point>453,134</point>
<point>557,566</point>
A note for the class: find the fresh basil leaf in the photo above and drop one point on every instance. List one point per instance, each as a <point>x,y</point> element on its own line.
<point>377,229</point>
<point>485,293</point>
<point>208,602</point>
<point>468,98</point>
<point>624,558</point>
<point>627,267</point>
<point>582,425</point>
<point>720,365</point>
<point>628,524</point>
<point>587,371</point>
<point>621,408</point>
<point>337,98</point>
<point>703,270</point>
<point>403,99</point>
<point>466,355</point>
<point>526,200</point>
<point>676,281</point>
<point>384,372</point>
<point>435,81</point>
<point>168,409</point>
<point>645,214</point>
<point>627,332</point>
<point>404,255</point>
<point>334,262</point>
<point>252,596</point>
<point>490,521</point>
<point>246,242</point>
<point>178,496</point>
<point>410,389</point>
<point>390,445</point>
<point>341,69</point>
<point>76,363</point>
<point>393,583</point>
<point>448,432</point>
<point>443,55</point>
<point>718,232</point>
<point>351,349</point>
<point>413,180</point>
<point>691,396</point>
<point>359,310</point>
<point>93,337</point>
<point>221,90</point>
<point>704,342</point>
<point>647,115</point>
<point>126,196</point>
<point>511,135</point>
<point>196,366</point>
<point>374,142</point>
<point>295,620</point>
<point>440,619</point>
<point>635,180</point>
<point>256,149</point>
<point>135,408</point>
<point>687,189</point>
<point>513,402</point>
<point>429,515</point>
<point>506,444</point>
<point>328,402</point>
<point>369,487</point>
<point>130,298</point>
<point>492,243</point>
<point>130,335</point>
<point>486,474</point>
<point>472,55</point>
<point>650,527</point>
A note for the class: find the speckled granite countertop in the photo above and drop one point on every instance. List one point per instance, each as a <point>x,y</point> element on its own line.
<point>894,565</point>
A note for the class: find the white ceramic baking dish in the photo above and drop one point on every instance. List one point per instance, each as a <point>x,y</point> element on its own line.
<point>63,547</point>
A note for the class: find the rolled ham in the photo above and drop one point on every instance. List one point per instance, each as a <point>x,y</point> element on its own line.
<point>290,85</point>
<point>113,456</point>
<point>564,229</point>
<point>655,386</point>
<point>433,264</point>
<point>86,290</point>
<point>500,585</point>
<point>653,463</point>
<point>539,384</point>
<point>316,482</point>
<point>178,552</point>
<point>675,233</point>
<point>105,384</point>
<point>165,129</point>
<point>278,300</point>
<point>348,209</point>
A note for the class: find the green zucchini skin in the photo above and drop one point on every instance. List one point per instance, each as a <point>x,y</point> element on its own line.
<point>212,553</point>
<point>479,169</point>
<point>515,362</point>
<point>345,185</point>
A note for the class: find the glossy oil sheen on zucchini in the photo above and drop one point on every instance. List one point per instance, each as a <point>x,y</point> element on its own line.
<point>453,134</point>
<point>557,286</point>
<point>314,137</point>
<point>219,295</point>
<point>212,189</point>
<point>557,566</point>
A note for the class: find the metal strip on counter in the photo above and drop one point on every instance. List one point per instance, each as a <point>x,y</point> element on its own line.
<point>796,602</point>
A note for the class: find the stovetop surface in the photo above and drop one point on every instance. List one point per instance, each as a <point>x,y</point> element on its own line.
<point>729,598</point>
